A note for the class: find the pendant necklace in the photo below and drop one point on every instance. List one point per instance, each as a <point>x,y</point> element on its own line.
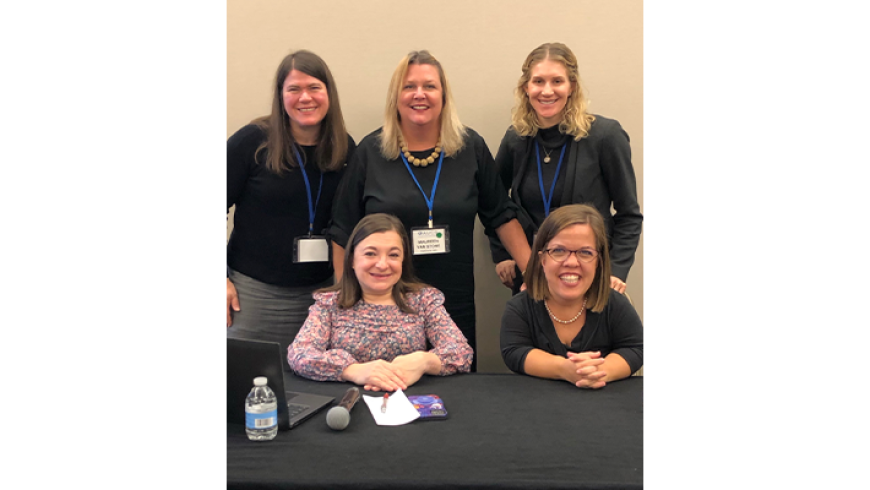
<point>546,154</point>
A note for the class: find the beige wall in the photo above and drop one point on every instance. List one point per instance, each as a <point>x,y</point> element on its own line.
<point>480,43</point>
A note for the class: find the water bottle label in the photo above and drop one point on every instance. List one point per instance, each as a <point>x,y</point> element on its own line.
<point>261,420</point>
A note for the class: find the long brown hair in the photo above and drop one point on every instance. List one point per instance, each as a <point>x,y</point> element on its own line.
<point>350,291</point>
<point>558,220</point>
<point>332,145</point>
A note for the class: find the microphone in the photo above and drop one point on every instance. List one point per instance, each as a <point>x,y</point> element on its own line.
<point>338,417</point>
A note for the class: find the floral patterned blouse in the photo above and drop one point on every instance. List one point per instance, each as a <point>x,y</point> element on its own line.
<point>333,338</point>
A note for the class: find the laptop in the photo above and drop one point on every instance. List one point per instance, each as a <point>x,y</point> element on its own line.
<point>248,359</point>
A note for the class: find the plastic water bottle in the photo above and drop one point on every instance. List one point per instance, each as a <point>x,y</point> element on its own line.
<point>261,412</point>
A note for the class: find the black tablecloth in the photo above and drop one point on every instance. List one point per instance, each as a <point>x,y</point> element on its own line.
<point>503,431</point>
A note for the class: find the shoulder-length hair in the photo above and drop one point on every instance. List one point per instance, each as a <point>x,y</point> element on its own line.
<point>332,145</point>
<point>575,120</point>
<point>453,133</point>
<point>348,287</point>
<point>558,220</point>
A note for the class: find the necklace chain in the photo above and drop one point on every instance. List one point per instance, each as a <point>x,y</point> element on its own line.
<point>546,154</point>
<point>582,308</point>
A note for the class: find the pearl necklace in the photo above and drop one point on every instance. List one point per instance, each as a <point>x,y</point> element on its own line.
<point>565,321</point>
<point>417,162</point>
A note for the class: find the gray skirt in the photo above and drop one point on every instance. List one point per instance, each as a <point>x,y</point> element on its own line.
<point>270,313</point>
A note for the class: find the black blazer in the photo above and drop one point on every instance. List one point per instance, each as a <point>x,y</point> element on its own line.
<point>598,172</point>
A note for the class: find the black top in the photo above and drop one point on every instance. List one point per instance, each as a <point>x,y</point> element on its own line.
<point>526,325</point>
<point>272,210</point>
<point>550,142</point>
<point>468,187</point>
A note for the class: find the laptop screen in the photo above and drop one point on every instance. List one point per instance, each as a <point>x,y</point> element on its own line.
<point>248,359</point>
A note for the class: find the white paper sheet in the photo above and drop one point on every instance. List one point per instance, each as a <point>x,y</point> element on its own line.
<point>400,410</point>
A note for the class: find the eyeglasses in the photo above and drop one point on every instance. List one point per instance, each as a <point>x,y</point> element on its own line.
<point>561,254</point>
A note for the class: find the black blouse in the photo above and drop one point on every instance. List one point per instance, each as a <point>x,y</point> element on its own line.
<point>526,325</point>
<point>272,210</point>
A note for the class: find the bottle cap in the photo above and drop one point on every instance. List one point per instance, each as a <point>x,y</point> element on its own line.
<point>260,381</point>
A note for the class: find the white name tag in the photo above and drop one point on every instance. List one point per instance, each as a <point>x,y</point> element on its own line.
<point>310,249</point>
<point>425,240</point>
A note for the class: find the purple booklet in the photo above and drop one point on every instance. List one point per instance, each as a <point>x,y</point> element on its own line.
<point>430,407</point>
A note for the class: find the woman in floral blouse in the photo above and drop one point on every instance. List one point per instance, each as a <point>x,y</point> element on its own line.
<point>372,328</point>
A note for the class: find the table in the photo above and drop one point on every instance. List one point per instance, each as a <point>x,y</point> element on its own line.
<point>503,431</point>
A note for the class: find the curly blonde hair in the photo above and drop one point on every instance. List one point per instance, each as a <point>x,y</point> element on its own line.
<point>575,120</point>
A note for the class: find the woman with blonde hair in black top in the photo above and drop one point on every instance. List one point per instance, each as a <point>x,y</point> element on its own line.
<point>436,176</point>
<point>556,153</point>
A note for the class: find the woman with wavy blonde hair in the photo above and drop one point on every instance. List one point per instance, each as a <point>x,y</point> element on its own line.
<point>575,120</point>
<point>436,176</point>
<point>555,154</point>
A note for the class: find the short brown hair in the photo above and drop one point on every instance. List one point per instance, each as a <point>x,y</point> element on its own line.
<point>558,220</point>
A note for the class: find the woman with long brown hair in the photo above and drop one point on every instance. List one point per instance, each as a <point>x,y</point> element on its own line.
<point>373,327</point>
<point>282,173</point>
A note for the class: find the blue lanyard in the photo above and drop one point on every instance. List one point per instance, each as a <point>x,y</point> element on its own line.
<point>429,200</point>
<point>548,198</point>
<point>312,209</point>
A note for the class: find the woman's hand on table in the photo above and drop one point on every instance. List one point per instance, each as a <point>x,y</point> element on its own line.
<point>376,375</point>
<point>415,365</point>
<point>587,369</point>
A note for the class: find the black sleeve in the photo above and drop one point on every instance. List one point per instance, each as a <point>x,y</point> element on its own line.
<point>626,331</point>
<point>347,207</point>
<point>516,333</point>
<point>504,164</point>
<point>351,149</point>
<point>240,156</point>
<point>504,160</point>
<point>615,158</point>
<point>493,206</point>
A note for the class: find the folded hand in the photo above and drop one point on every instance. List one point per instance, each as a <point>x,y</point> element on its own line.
<point>587,367</point>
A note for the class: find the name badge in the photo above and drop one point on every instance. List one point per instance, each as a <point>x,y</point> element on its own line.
<point>425,240</point>
<point>314,248</point>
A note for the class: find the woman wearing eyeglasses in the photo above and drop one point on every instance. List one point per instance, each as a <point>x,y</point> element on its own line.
<point>568,324</point>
